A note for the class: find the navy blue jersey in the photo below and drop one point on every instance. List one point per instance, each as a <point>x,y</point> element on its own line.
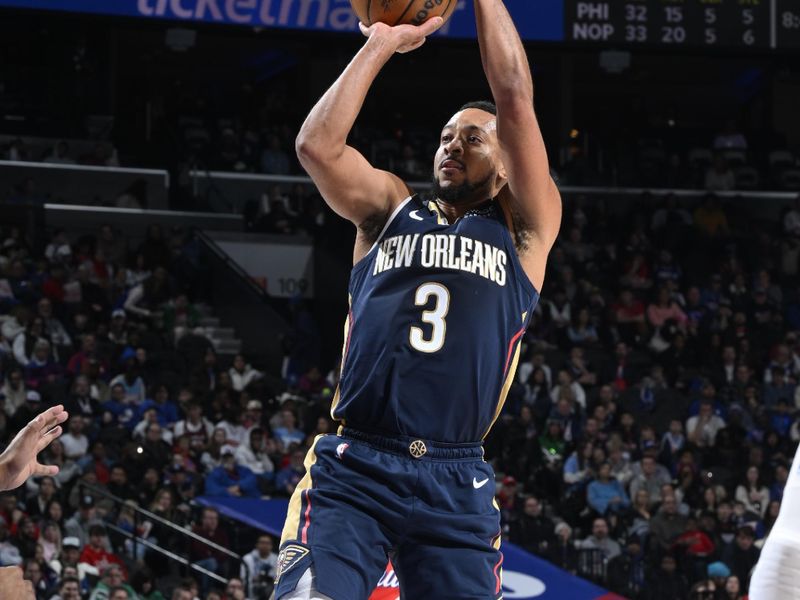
<point>437,313</point>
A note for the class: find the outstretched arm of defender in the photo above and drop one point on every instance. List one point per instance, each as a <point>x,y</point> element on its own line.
<point>350,185</point>
<point>532,192</point>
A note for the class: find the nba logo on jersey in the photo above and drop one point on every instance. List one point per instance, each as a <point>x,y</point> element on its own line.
<point>340,450</point>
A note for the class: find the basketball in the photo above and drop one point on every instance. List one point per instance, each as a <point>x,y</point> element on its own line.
<point>398,12</point>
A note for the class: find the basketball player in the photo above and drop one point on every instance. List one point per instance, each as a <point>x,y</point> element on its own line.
<point>440,293</point>
<point>778,570</point>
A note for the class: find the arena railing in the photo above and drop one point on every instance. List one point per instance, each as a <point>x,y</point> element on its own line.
<point>84,184</point>
<point>141,515</point>
<point>240,303</point>
<point>233,190</point>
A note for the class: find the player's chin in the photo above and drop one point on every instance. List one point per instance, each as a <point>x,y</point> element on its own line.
<point>449,177</point>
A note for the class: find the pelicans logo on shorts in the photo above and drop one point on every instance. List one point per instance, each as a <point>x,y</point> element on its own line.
<point>289,557</point>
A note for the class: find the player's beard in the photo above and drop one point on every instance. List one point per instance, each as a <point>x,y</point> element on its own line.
<point>460,194</point>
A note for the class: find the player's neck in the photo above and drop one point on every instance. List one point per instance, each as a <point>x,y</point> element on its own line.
<point>453,212</point>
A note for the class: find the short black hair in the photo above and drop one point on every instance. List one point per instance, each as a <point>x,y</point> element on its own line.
<point>484,105</point>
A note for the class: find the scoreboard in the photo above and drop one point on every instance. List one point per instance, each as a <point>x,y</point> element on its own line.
<point>743,25</point>
<point>758,24</point>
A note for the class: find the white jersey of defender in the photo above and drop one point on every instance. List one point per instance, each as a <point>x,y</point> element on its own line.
<point>777,573</point>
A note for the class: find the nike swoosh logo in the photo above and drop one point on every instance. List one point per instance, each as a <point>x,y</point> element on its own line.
<point>479,484</point>
<point>413,214</point>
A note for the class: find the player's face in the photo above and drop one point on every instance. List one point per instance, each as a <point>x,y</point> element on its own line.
<point>467,166</point>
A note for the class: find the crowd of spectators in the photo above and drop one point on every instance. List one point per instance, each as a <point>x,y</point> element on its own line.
<point>648,438</point>
<point>104,325</point>
<point>645,443</point>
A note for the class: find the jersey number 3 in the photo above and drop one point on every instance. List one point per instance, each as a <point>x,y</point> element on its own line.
<point>433,317</point>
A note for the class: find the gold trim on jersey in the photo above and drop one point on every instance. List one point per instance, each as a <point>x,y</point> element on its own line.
<point>506,386</point>
<point>512,370</point>
<point>291,527</point>
<point>440,218</point>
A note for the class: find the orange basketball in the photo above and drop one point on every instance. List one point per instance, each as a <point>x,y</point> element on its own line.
<point>397,12</point>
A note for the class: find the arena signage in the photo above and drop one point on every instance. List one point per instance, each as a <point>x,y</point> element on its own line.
<point>536,19</point>
<point>525,576</point>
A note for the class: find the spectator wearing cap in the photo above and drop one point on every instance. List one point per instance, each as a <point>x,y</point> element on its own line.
<point>70,554</point>
<point>117,329</point>
<point>563,550</point>
<point>78,525</point>
<point>253,454</point>
<point>242,374</point>
<point>507,498</point>
<point>606,494</point>
<point>718,572</point>
<point>230,479</point>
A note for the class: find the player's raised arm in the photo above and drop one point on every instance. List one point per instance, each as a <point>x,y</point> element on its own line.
<point>532,193</point>
<point>350,185</point>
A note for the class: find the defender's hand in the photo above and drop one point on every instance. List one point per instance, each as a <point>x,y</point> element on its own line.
<point>19,461</point>
<point>402,38</point>
<point>14,586</point>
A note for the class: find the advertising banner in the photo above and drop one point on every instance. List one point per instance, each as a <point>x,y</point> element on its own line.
<point>536,19</point>
<point>525,576</point>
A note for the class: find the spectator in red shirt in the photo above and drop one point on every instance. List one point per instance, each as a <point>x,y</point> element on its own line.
<point>95,554</point>
<point>53,286</point>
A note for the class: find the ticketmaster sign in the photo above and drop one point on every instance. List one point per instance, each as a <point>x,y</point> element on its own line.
<point>536,19</point>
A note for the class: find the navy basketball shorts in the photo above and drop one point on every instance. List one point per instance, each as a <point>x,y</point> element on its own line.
<point>428,507</point>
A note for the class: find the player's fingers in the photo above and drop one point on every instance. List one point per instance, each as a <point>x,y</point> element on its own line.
<point>42,470</point>
<point>50,418</point>
<point>431,25</point>
<point>364,29</point>
<point>48,437</point>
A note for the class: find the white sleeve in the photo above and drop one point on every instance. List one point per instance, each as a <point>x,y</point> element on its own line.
<point>778,569</point>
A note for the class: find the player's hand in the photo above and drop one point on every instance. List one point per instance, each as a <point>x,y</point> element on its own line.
<point>14,586</point>
<point>19,460</point>
<point>402,38</point>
